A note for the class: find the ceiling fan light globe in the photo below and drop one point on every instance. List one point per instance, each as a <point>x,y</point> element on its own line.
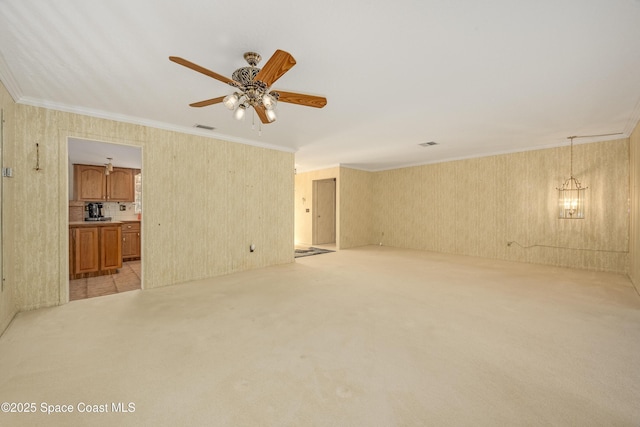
<point>269,101</point>
<point>271,115</point>
<point>239,113</point>
<point>231,101</point>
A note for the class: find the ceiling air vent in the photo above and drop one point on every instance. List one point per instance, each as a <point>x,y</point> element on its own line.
<point>427,144</point>
<point>203,127</point>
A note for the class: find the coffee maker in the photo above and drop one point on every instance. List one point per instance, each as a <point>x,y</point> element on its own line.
<point>95,211</point>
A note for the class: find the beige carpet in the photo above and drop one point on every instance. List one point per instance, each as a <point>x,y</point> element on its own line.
<point>365,337</point>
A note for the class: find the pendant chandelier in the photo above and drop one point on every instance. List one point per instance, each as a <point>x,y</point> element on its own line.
<point>572,195</point>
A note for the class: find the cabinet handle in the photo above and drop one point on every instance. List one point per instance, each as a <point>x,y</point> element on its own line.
<point>138,234</point>
<point>123,239</point>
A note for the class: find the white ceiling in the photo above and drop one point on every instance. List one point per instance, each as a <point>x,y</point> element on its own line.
<point>86,152</point>
<point>478,77</point>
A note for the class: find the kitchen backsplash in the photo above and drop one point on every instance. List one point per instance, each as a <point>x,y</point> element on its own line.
<point>112,209</point>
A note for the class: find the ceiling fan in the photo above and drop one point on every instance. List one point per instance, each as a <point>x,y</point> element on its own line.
<point>253,86</point>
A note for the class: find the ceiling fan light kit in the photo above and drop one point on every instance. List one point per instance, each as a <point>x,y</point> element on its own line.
<point>239,114</point>
<point>253,86</point>
<point>231,101</point>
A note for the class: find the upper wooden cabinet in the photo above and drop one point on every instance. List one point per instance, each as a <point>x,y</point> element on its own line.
<point>120,186</point>
<point>90,184</point>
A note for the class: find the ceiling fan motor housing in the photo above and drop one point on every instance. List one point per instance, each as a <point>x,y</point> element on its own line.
<point>245,75</point>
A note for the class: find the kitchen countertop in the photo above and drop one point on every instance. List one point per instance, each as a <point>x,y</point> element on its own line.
<point>93,223</point>
<point>102,223</point>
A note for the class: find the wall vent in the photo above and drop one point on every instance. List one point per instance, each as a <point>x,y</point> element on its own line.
<point>427,144</point>
<point>199,126</point>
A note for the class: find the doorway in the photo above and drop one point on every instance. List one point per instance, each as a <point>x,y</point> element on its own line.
<point>324,211</point>
<point>105,254</point>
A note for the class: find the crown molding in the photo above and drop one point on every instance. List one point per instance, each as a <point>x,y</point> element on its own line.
<point>148,123</point>
<point>479,156</point>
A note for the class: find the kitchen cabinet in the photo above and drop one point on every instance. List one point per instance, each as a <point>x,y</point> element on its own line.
<point>131,240</point>
<point>94,249</point>
<point>86,250</point>
<point>90,184</point>
<point>120,187</point>
<point>110,247</point>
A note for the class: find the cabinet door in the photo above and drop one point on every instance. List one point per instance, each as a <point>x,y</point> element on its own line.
<point>131,240</point>
<point>111,247</point>
<point>135,244</point>
<point>120,185</point>
<point>89,183</point>
<point>129,244</point>
<point>86,250</point>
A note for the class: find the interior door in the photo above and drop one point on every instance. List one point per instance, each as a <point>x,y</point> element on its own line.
<point>324,211</point>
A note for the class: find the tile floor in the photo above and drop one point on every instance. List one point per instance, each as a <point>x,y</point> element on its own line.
<point>127,279</point>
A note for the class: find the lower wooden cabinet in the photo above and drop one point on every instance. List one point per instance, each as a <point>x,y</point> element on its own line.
<point>87,249</point>
<point>110,248</point>
<point>131,240</point>
<point>94,251</point>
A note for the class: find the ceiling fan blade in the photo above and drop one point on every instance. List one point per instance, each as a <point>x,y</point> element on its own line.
<point>202,70</point>
<point>301,99</point>
<point>260,111</point>
<point>207,102</point>
<point>276,66</point>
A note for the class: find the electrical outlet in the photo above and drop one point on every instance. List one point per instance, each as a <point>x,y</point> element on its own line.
<point>123,208</point>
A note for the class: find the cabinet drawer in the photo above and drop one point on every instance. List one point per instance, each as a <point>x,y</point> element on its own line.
<point>130,226</point>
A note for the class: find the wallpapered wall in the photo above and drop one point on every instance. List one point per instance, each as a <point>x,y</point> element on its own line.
<point>634,233</point>
<point>205,202</point>
<point>475,207</point>
<point>356,208</point>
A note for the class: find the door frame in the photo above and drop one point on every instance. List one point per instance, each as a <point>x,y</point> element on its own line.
<point>63,207</point>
